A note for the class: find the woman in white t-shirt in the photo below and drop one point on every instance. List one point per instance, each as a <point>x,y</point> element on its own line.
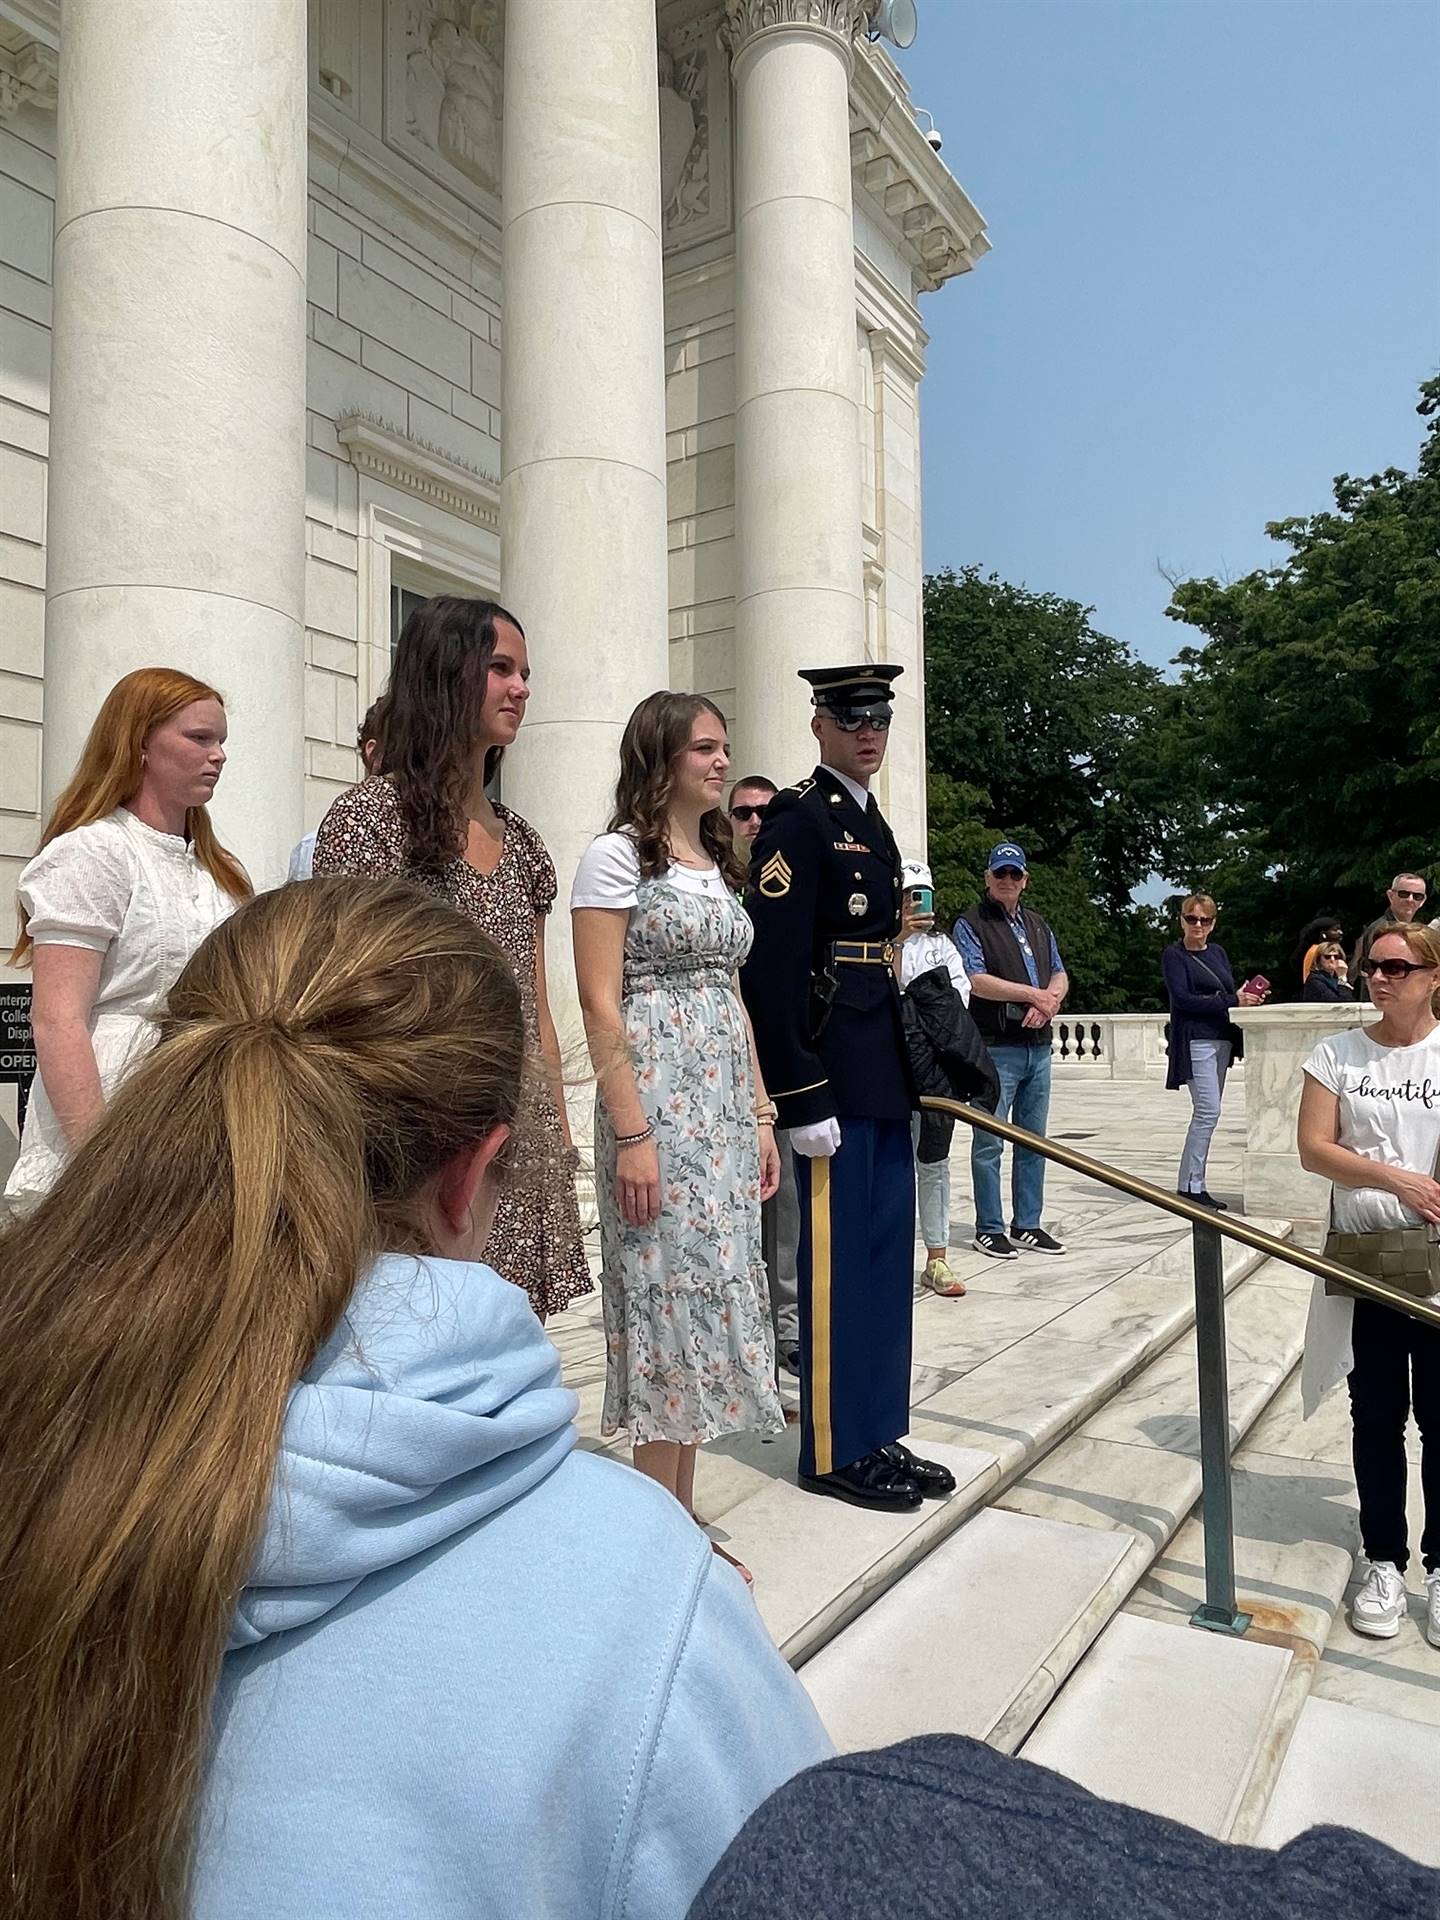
<point>1370,1122</point>
<point>684,1134</point>
<point>128,881</point>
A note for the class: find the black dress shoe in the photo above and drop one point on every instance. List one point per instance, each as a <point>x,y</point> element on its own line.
<point>1208,1199</point>
<point>871,1482</point>
<point>932,1479</point>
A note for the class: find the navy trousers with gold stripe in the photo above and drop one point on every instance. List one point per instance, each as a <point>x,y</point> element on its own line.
<point>857,1233</point>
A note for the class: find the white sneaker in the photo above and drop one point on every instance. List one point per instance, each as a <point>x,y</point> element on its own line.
<point>1379,1606</point>
<point>1432,1608</point>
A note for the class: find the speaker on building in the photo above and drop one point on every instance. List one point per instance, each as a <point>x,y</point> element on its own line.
<point>896,21</point>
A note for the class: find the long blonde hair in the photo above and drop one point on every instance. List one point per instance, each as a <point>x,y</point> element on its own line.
<point>327,1050</point>
<point>112,767</point>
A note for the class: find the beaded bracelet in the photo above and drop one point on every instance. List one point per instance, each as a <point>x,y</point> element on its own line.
<point>635,1139</point>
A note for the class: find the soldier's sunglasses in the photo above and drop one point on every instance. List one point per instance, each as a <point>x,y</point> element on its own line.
<point>851,719</point>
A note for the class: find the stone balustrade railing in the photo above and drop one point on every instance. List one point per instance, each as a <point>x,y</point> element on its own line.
<point>1278,1041</point>
<point>1112,1046</point>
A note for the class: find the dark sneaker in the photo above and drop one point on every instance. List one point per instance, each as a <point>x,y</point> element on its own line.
<point>1036,1240</point>
<point>996,1245</point>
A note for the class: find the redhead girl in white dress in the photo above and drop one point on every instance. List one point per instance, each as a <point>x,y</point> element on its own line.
<point>128,881</point>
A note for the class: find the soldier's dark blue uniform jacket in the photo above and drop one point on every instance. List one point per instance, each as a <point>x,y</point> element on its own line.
<point>823,870</point>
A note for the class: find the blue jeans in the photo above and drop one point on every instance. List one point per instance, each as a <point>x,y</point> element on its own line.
<point>1209,1063</point>
<point>1024,1098</point>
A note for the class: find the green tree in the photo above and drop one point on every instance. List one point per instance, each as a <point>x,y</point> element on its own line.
<point>1038,728</point>
<point>1305,731</point>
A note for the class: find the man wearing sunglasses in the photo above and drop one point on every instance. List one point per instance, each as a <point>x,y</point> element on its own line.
<point>1018,985</point>
<point>820,987</point>
<point>748,800</point>
<point>1404,898</point>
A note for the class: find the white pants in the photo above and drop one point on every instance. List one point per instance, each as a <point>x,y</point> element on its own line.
<point>932,1194</point>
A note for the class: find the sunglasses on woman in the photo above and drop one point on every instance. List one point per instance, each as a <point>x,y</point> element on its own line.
<point>746,812</point>
<point>1393,969</point>
<point>1199,919</point>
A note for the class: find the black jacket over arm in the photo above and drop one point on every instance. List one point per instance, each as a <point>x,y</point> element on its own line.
<point>947,1057</point>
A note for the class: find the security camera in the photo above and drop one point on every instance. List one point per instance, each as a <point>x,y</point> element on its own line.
<point>933,140</point>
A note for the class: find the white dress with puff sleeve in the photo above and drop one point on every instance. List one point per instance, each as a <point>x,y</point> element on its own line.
<point>140,898</point>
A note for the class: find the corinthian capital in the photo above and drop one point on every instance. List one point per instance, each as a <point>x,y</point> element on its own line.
<point>842,19</point>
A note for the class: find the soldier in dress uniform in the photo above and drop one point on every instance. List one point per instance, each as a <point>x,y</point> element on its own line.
<point>820,986</point>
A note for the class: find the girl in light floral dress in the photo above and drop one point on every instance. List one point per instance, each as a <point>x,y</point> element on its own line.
<point>685,1144</point>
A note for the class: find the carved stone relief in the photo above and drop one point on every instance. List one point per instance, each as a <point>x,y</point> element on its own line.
<point>694,133</point>
<point>444,63</point>
<point>28,73</point>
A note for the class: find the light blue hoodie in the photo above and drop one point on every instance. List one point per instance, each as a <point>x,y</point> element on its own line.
<point>478,1672</point>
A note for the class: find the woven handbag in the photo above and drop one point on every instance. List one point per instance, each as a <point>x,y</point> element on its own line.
<point>1405,1258</point>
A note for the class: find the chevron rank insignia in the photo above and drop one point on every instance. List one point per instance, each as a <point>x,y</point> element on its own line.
<point>775,877</point>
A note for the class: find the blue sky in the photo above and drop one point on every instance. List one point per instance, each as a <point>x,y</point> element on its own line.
<point>1215,281</point>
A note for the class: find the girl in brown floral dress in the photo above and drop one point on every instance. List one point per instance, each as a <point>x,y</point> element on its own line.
<point>457,696</point>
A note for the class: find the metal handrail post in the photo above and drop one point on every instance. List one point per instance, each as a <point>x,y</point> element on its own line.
<point>1219,1613</point>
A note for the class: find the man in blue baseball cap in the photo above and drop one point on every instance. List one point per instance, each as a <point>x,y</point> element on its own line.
<point>1017,985</point>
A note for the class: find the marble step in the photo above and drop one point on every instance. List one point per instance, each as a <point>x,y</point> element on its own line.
<point>1167,1719</point>
<point>818,1563</point>
<point>1350,1767</point>
<point>1019,1592</point>
<point>970,1640</point>
<point>1295,1541</point>
<point>1020,1402</point>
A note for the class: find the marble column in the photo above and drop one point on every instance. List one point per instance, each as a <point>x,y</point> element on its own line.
<point>177,453</point>
<point>800,597</point>
<point>582,487</point>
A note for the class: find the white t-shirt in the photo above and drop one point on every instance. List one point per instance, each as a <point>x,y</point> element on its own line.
<point>1389,1111</point>
<point>609,874</point>
<point>923,952</point>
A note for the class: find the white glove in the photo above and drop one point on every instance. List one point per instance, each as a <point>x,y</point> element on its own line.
<point>817,1142</point>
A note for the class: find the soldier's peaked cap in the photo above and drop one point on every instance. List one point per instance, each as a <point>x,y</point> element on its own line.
<point>856,686</point>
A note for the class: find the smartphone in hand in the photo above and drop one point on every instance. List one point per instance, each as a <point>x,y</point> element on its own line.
<point>1258,985</point>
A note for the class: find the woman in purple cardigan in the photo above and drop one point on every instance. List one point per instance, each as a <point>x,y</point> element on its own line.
<point>1202,992</point>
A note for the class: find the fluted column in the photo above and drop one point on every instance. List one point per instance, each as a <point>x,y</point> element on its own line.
<point>799,593</point>
<point>177,463</point>
<point>582,489</point>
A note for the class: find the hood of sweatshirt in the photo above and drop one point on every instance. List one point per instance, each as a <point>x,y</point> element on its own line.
<point>436,1403</point>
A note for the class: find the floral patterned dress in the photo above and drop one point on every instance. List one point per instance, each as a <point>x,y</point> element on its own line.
<point>535,1241</point>
<point>689,1349</point>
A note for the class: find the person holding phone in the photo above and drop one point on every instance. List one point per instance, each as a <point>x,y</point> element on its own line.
<point>1203,1038</point>
<point>921,951</point>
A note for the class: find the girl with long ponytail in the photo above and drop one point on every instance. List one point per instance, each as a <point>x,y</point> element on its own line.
<point>289,1501</point>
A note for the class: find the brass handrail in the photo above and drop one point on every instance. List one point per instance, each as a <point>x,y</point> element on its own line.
<point>1186,1209</point>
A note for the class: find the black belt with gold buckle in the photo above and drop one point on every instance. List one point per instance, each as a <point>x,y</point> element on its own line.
<point>864,953</point>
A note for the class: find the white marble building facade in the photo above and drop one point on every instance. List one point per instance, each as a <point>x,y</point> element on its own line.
<point>254,389</point>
